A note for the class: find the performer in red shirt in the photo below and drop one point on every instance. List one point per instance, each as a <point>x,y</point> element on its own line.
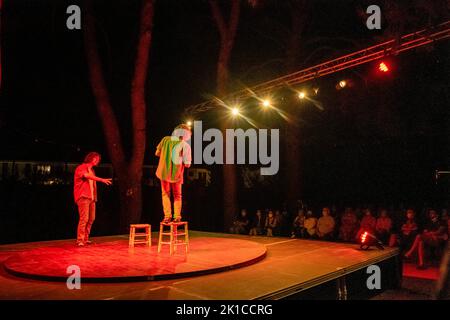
<point>85,195</point>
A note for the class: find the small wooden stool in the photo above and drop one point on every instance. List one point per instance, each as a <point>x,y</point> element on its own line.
<point>145,237</point>
<point>173,236</point>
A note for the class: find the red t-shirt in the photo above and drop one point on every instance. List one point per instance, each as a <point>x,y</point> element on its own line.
<point>83,187</point>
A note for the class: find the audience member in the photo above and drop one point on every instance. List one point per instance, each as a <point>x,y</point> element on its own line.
<point>409,231</point>
<point>368,223</point>
<point>240,225</point>
<point>271,224</point>
<point>310,225</point>
<point>325,225</point>
<point>383,227</point>
<point>349,226</point>
<point>433,236</point>
<point>257,226</point>
<point>298,225</point>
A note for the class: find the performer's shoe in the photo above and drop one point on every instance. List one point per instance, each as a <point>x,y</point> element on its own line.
<point>80,244</point>
<point>176,220</point>
<point>166,220</point>
<point>89,242</point>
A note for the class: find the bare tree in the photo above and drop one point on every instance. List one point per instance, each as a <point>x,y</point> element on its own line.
<point>293,174</point>
<point>127,169</point>
<point>1,6</point>
<point>227,32</point>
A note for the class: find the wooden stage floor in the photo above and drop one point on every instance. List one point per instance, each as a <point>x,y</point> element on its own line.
<point>290,265</point>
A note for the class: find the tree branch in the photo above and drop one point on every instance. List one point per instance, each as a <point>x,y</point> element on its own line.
<point>234,19</point>
<point>100,91</point>
<point>138,104</point>
<point>217,15</point>
<point>1,5</point>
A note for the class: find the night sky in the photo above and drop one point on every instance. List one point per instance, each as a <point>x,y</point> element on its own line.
<point>46,94</point>
<point>48,113</point>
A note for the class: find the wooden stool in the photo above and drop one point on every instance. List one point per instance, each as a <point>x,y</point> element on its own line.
<point>173,236</point>
<point>145,237</point>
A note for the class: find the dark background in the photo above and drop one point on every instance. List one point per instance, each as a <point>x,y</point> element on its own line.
<point>378,142</point>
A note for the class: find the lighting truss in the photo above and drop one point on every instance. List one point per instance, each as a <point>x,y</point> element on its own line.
<point>392,47</point>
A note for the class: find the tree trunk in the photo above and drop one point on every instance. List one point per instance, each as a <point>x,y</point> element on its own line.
<point>227,35</point>
<point>132,206</point>
<point>129,173</point>
<point>130,197</point>
<point>229,174</point>
<point>293,173</point>
<point>1,6</point>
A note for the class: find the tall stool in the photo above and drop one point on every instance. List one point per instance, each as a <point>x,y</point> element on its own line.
<point>173,234</point>
<point>143,237</point>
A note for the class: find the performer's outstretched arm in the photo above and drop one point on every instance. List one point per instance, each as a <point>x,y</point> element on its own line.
<point>91,176</point>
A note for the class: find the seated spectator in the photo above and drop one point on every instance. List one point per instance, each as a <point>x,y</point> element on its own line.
<point>325,225</point>
<point>257,226</point>
<point>271,224</point>
<point>278,231</point>
<point>349,226</point>
<point>368,223</point>
<point>298,225</point>
<point>383,227</point>
<point>310,225</point>
<point>433,236</point>
<point>240,225</point>
<point>409,231</point>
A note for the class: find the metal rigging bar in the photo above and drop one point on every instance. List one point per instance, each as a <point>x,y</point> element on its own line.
<point>406,42</point>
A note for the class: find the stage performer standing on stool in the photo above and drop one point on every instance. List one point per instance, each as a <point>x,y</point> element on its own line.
<point>85,194</point>
<point>174,155</point>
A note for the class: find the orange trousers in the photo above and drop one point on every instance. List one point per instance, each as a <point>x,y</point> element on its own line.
<point>166,187</point>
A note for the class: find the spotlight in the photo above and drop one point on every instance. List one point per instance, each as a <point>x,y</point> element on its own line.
<point>383,67</point>
<point>266,103</point>
<point>189,123</point>
<point>316,91</point>
<point>342,83</point>
<point>367,240</point>
<point>302,95</point>
<point>235,111</point>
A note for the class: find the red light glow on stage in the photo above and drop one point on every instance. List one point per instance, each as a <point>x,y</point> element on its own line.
<point>363,237</point>
<point>383,67</point>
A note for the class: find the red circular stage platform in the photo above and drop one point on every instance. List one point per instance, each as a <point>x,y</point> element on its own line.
<point>114,261</point>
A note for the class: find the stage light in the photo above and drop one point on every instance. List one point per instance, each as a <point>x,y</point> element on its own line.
<point>235,111</point>
<point>189,123</point>
<point>302,95</point>
<point>266,103</point>
<point>342,83</point>
<point>366,240</point>
<point>316,91</point>
<point>383,67</point>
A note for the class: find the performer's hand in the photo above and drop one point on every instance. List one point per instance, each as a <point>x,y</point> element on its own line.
<point>108,182</point>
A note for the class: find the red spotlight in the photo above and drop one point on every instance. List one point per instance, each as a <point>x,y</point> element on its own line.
<point>363,237</point>
<point>366,240</point>
<point>383,67</point>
